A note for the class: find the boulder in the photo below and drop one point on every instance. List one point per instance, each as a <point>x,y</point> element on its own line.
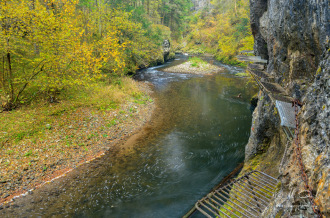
<point>166,49</point>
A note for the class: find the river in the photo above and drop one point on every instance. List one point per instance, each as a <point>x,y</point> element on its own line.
<point>197,137</point>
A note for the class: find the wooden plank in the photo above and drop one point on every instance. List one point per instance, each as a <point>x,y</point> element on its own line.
<point>255,59</point>
<point>246,52</point>
<point>273,88</point>
<point>256,66</point>
<point>261,74</point>
<point>283,98</point>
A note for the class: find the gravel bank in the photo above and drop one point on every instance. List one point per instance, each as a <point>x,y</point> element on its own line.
<point>187,68</point>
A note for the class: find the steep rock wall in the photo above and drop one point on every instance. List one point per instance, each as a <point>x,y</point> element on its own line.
<point>259,8</point>
<point>295,34</point>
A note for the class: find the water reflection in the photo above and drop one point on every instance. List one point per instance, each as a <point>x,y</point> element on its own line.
<point>197,137</point>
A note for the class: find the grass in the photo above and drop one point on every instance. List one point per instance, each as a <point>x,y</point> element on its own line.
<point>33,120</point>
<point>29,153</point>
<point>197,62</point>
<point>113,122</point>
<point>242,74</point>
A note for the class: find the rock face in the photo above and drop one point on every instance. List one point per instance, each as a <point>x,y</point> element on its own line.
<point>259,8</point>
<point>166,49</point>
<point>200,4</point>
<point>294,37</point>
<point>315,119</point>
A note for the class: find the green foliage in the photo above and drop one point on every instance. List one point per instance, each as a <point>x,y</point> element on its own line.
<point>28,153</point>
<point>223,31</point>
<point>28,123</point>
<point>112,123</point>
<point>49,46</point>
<point>242,74</point>
<point>197,62</point>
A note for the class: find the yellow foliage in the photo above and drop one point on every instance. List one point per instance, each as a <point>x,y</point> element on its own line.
<point>225,33</point>
<point>48,45</point>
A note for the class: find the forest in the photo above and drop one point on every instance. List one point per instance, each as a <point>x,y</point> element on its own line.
<point>222,29</point>
<point>54,45</point>
<point>48,46</point>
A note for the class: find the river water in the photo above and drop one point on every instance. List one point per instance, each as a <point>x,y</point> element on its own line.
<point>198,136</point>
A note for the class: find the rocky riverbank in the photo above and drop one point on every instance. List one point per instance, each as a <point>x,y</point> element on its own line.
<point>72,140</point>
<point>191,67</point>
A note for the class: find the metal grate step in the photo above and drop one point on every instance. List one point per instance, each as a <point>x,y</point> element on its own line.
<point>283,102</point>
<point>287,114</point>
<point>246,196</point>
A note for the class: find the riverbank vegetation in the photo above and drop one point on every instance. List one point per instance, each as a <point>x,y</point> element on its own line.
<point>47,47</point>
<point>222,29</point>
<point>64,79</point>
<point>197,62</point>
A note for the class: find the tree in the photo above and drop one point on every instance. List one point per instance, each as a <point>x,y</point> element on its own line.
<point>62,58</point>
<point>47,46</point>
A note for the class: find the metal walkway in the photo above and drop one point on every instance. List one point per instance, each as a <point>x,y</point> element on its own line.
<point>246,196</point>
<point>286,113</point>
<point>278,94</point>
<point>255,59</point>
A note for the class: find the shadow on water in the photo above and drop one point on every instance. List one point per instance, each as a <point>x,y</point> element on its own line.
<point>196,137</point>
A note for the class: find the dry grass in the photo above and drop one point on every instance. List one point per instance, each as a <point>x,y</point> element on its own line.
<point>105,96</point>
<point>32,120</point>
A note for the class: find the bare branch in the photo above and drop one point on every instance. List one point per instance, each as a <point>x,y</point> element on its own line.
<point>29,80</point>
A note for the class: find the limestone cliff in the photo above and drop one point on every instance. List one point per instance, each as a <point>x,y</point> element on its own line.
<point>293,35</point>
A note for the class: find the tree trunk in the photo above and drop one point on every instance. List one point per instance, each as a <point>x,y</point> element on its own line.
<point>98,5</point>
<point>3,73</point>
<point>36,47</point>
<point>171,21</point>
<point>10,79</point>
<point>235,8</point>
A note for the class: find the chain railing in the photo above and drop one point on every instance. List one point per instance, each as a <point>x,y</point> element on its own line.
<point>304,177</point>
<point>295,104</point>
